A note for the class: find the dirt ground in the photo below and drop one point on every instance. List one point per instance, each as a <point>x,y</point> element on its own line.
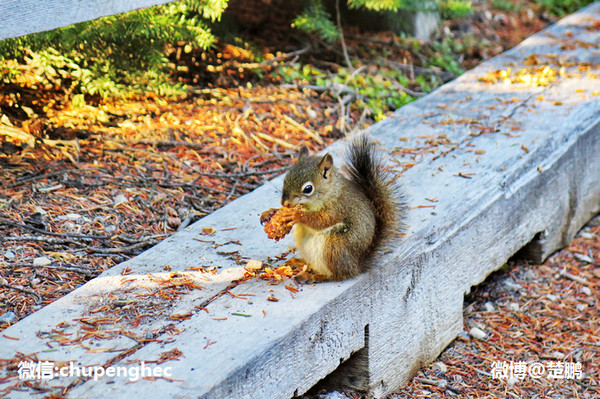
<point>538,314</point>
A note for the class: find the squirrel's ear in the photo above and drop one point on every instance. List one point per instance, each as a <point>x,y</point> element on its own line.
<point>325,165</point>
<point>304,151</point>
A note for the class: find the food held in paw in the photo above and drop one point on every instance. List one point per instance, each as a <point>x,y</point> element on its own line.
<point>278,224</point>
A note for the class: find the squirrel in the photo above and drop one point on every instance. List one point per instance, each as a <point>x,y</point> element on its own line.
<point>342,221</point>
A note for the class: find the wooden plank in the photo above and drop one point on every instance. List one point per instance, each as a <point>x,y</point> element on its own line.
<point>22,17</point>
<point>512,162</point>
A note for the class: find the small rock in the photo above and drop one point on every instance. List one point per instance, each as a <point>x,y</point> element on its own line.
<point>511,381</point>
<point>36,307</point>
<point>69,226</point>
<point>530,13</point>
<point>463,336</point>
<point>73,216</point>
<point>580,307</point>
<point>489,307</point>
<point>586,290</point>
<point>477,333</point>
<point>40,210</point>
<point>552,297</point>
<point>311,113</point>
<point>512,285</point>
<point>440,367</point>
<point>500,17</point>
<point>583,258</point>
<point>119,199</point>
<point>530,275</point>
<point>8,317</point>
<point>42,261</point>
<point>9,255</point>
<point>587,235</point>
<point>333,395</point>
<point>442,384</point>
<point>513,306</point>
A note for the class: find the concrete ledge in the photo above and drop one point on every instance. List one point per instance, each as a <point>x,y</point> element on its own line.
<point>503,164</point>
<point>22,17</point>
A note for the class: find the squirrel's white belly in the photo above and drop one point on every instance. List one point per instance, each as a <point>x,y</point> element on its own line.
<point>310,244</point>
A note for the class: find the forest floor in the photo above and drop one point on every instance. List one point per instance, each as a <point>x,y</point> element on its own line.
<point>115,177</point>
<point>537,322</point>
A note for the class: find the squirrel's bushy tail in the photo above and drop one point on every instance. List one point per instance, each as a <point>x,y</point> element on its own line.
<point>365,168</point>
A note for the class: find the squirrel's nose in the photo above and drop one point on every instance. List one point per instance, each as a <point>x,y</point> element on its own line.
<point>285,198</point>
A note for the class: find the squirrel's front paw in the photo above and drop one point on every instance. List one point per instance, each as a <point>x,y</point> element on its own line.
<point>267,215</point>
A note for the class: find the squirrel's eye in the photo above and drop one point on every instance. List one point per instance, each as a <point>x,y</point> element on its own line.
<point>307,188</point>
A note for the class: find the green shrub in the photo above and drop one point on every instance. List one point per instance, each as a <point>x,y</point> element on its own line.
<point>451,9</point>
<point>315,19</point>
<point>562,7</point>
<point>506,5</point>
<point>104,56</point>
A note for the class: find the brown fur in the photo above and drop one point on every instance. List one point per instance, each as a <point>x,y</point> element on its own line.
<point>342,221</point>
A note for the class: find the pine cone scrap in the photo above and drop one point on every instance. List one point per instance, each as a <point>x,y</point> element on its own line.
<point>279,222</point>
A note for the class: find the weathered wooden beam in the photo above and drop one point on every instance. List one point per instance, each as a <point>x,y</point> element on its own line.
<point>502,163</point>
<point>22,17</point>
